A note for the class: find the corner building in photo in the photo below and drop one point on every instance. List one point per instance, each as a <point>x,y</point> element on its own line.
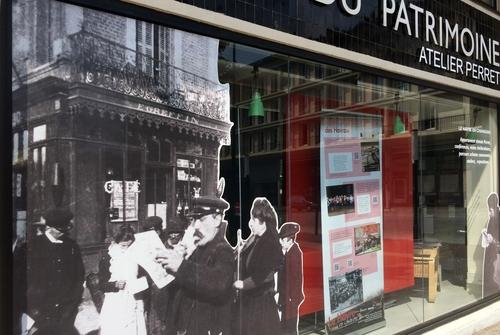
<point>105,103</point>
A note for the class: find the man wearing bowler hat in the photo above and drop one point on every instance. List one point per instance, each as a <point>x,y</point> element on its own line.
<point>204,279</point>
<point>290,290</point>
<point>54,276</point>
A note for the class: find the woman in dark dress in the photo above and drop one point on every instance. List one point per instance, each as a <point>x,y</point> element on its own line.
<point>260,259</point>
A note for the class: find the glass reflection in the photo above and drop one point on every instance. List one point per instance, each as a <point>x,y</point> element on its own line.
<point>432,261</point>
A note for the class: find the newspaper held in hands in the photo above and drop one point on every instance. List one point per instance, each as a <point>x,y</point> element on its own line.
<point>144,251</point>
<point>138,285</point>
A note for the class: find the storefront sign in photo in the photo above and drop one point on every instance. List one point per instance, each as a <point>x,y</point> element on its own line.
<point>118,199</point>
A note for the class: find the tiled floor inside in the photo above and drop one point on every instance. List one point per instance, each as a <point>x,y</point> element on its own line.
<point>406,309</point>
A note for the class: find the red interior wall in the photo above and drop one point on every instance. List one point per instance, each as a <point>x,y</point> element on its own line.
<point>304,173</point>
<point>397,184</point>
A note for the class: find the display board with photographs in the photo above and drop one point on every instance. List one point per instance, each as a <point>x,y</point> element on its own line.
<point>351,217</point>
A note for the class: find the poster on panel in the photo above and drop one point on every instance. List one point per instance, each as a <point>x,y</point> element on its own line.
<point>351,217</point>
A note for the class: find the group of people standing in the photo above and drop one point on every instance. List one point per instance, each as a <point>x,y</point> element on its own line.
<point>255,288</point>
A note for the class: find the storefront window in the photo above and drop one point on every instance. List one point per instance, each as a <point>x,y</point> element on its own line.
<point>401,198</point>
<point>387,190</point>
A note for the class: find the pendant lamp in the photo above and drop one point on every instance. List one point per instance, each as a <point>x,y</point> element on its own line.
<point>256,106</point>
<point>399,126</point>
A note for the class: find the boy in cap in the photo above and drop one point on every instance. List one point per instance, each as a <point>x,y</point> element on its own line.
<point>203,299</point>
<point>174,232</point>
<point>154,223</point>
<point>290,290</point>
<point>55,276</point>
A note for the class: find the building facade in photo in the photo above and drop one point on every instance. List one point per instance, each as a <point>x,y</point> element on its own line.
<point>104,101</point>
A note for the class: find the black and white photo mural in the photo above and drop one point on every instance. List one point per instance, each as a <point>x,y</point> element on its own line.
<point>119,207</point>
<point>111,103</point>
<point>120,121</point>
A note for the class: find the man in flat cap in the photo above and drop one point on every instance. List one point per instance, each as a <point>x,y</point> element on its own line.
<point>204,279</point>
<point>54,276</point>
<point>290,290</point>
<point>154,223</point>
<point>174,232</point>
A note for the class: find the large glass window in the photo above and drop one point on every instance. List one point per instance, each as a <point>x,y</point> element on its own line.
<point>385,190</point>
<point>428,161</point>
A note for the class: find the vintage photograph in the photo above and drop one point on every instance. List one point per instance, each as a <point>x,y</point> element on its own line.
<point>119,125</point>
<point>340,199</point>
<point>370,156</point>
<point>367,239</point>
<point>346,290</point>
<point>120,218</point>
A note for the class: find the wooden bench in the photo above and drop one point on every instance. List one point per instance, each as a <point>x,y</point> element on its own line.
<point>426,265</point>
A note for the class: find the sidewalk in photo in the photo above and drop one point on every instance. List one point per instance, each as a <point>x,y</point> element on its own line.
<point>485,321</point>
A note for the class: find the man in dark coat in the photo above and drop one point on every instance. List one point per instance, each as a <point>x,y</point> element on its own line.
<point>54,276</point>
<point>290,290</point>
<point>203,299</point>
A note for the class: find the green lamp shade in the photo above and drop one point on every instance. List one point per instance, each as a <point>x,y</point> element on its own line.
<point>471,136</point>
<point>399,126</point>
<point>256,106</point>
